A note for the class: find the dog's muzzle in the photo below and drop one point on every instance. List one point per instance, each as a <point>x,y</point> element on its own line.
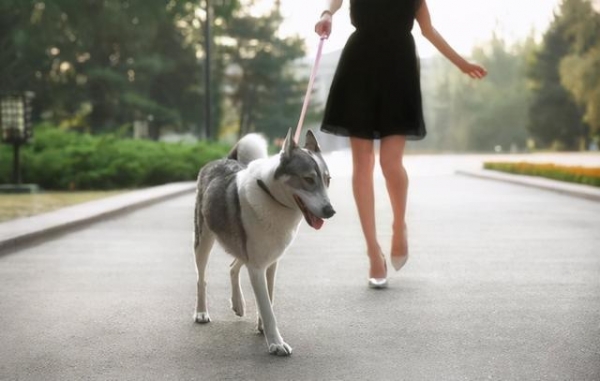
<point>328,211</point>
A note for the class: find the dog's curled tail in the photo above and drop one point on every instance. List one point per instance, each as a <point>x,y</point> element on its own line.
<point>249,148</point>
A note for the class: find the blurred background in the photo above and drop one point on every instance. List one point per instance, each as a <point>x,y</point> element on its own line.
<point>111,77</point>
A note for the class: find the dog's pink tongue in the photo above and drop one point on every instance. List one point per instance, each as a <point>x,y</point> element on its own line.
<point>316,222</point>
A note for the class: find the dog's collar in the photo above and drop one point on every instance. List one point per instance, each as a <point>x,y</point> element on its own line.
<point>263,186</point>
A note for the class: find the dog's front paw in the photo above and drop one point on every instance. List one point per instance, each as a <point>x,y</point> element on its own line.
<point>201,317</point>
<point>282,349</point>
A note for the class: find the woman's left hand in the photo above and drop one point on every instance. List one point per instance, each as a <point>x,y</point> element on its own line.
<point>323,26</point>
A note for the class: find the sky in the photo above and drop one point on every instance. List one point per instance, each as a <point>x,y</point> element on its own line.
<point>463,23</point>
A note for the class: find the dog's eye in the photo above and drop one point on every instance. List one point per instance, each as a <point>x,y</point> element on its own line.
<point>309,180</point>
<point>327,180</point>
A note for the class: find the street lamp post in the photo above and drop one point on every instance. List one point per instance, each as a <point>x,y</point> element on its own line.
<point>15,124</point>
<point>207,70</point>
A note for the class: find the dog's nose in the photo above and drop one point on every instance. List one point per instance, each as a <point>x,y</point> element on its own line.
<point>328,211</point>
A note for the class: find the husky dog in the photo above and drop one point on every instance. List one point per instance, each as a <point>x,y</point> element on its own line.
<point>252,205</point>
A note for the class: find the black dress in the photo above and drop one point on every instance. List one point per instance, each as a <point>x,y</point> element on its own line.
<point>376,90</point>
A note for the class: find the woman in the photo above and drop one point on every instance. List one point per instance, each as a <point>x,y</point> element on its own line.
<point>376,94</point>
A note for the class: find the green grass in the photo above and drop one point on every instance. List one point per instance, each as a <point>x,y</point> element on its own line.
<point>24,205</point>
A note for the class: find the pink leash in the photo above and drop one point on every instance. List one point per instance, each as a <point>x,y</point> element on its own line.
<point>311,83</point>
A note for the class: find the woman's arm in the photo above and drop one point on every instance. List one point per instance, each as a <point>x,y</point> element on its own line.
<point>323,26</point>
<point>424,19</point>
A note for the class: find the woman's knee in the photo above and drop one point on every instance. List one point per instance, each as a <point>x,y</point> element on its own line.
<point>391,164</point>
<point>390,156</point>
<point>393,170</point>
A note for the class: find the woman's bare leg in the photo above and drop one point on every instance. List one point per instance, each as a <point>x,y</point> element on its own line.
<point>363,160</point>
<point>396,179</point>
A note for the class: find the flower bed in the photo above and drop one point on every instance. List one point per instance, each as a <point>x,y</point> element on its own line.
<point>580,175</point>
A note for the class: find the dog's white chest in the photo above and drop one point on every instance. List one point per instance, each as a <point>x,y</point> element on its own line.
<point>269,231</point>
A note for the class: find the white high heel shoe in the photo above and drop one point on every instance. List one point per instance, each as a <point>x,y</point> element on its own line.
<point>379,283</point>
<point>399,261</point>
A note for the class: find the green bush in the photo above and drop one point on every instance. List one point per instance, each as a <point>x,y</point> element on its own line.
<point>62,160</point>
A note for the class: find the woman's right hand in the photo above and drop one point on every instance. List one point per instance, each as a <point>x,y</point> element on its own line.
<point>473,70</point>
<point>323,26</point>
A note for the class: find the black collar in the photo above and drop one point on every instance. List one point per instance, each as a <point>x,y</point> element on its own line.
<point>263,186</point>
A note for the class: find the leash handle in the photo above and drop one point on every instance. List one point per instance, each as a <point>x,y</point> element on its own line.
<point>311,82</point>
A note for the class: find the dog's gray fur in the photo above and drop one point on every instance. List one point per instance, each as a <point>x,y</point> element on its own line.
<point>252,205</point>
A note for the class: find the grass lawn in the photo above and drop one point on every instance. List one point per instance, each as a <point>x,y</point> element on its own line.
<point>23,205</point>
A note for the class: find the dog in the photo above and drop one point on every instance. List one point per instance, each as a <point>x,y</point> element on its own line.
<point>253,204</point>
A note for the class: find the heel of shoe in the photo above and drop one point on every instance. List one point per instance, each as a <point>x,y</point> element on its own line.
<point>378,283</point>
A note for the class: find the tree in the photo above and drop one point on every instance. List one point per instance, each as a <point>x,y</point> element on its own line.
<point>264,92</point>
<point>500,115</point>
<point>24,49</point>
<point>554,116</point>
<point>100,64</point>
<point>463,114</point>
<point>579,70</point>
<point>130,61</point>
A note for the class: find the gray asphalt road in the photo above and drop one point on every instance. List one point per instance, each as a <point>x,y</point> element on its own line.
<point>503,284</point>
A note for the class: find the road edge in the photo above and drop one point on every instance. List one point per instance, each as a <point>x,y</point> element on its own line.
<point>576,190</point>
<point>22,231</point>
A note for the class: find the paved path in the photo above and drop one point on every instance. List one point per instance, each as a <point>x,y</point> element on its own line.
<point>503,283</point>
<point>25,230</point>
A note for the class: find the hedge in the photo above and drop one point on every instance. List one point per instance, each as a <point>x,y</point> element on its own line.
<point>581,175</point>
<point>61,160</point>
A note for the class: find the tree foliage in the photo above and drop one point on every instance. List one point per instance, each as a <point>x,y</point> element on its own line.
<point>265,94</point>
<point>580,69</point>
<point>464,114</point>
<point>555,117</point>
<point>98,65</point>
<point>111,60</point>
<point>547,93</point>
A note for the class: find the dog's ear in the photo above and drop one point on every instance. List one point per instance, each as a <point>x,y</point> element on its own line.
<point>311,142</point>
<point>289,144</point>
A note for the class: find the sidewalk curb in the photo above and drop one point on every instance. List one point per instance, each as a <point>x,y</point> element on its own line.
<point>26,230</point>
<point>575,190</point>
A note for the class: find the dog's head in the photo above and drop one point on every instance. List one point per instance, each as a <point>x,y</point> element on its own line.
<point>304,173</point>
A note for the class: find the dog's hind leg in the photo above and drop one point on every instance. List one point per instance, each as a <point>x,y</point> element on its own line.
<point>202,248</point>
<point>237,296</point>
<point>275,342</point>
<point>271,271</point>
